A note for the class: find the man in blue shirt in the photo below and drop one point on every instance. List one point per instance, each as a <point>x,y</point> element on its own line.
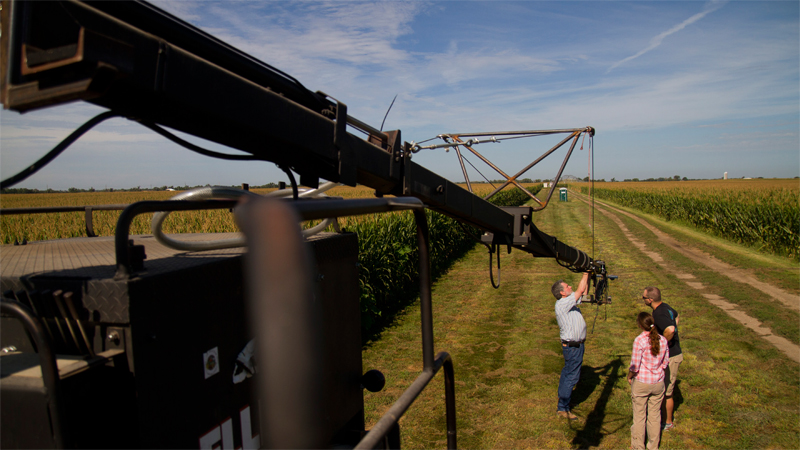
<point>573,334</point>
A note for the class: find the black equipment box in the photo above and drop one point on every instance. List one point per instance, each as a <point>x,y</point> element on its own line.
<point>149,361</point>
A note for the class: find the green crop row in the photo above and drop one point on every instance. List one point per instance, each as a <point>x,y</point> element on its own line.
<point>763,219</point>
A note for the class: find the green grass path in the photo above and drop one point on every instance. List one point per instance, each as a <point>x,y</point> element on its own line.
<point>735,390</point>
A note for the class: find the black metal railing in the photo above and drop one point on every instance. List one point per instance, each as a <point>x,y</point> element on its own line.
<point>59,209</point>
<point>306,210</point>
<point>319,209</point>
<point>47,359</point>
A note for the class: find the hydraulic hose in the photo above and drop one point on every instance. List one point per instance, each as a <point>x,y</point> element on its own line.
<point>223,192</point>
<point>201,193</point>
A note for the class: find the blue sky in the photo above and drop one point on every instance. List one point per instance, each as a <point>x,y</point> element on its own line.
<point>673,88</point>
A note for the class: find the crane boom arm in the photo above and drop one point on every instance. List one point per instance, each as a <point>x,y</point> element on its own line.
<point>150,66</point>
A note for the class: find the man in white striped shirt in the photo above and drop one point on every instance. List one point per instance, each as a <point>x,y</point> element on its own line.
<point>573,334</point>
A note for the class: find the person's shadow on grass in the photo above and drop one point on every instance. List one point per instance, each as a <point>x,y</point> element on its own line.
<point>677,398</point>
<point>591,377</point>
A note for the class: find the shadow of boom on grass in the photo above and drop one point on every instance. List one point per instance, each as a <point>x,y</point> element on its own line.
<point>592,433</point>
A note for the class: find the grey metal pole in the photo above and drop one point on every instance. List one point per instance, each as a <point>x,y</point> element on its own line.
<point>426,309</point>
<point>285,318</point>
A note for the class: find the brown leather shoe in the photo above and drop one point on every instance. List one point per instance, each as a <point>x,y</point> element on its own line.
<point>567,415</point>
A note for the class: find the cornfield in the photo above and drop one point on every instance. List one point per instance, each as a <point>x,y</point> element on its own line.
<point>752,214</point>
<point>38,227</point>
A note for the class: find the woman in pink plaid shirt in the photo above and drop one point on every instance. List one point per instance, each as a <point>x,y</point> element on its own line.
<point>649,358</point>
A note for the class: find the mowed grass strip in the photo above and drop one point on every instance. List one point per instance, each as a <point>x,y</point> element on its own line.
<point>764,214</point>
<point>780,271</point>
<point>735,389</point>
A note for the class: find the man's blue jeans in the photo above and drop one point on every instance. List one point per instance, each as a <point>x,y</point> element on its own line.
<point>573,359</point>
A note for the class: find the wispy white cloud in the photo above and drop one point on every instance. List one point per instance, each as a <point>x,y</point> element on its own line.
<point>297,37</point>
<point>658,39</point>
<point>456,66</point>
<point>734,145</point>
<point>185,9</point>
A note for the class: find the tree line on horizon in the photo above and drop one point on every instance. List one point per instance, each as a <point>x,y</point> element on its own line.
<point>275,185</point>
<point>133,189</point>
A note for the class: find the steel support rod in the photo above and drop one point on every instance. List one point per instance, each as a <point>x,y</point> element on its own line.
<point>482,158</point>
<point>393,415</point>
<point>58,297</point>
<point>366,128</point>
<point>529,132</point>
<point>547,153</point>
<point>426,308</point>
<point>286,321</point>
<point>539,159</point>
<point>558,176</point>
<point>463,168</point>
<point>87,217</point>
<point>430,366</point>
<point>126,218</point>
<point>74,313</point>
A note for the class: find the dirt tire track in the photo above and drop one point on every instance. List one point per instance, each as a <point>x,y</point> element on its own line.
<point>734,273</point>
<point>790,349</point>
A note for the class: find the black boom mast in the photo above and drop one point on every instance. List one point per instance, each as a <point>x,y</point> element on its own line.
<point>145,64</point>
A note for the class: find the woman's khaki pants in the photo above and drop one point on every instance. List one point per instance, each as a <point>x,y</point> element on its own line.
<point>646,400</point>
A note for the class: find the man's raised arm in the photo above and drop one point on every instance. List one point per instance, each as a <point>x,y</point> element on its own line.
<point>583,286</point>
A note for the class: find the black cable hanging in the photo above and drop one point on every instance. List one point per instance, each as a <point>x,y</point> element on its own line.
<point>597,311</point>
<point>591,153</point>
<point>493,249</point>
<point>295,192</point>
<point>599,297</point>
<point>52,154</point>
<point>80,131</point>
<point>188,145</point>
